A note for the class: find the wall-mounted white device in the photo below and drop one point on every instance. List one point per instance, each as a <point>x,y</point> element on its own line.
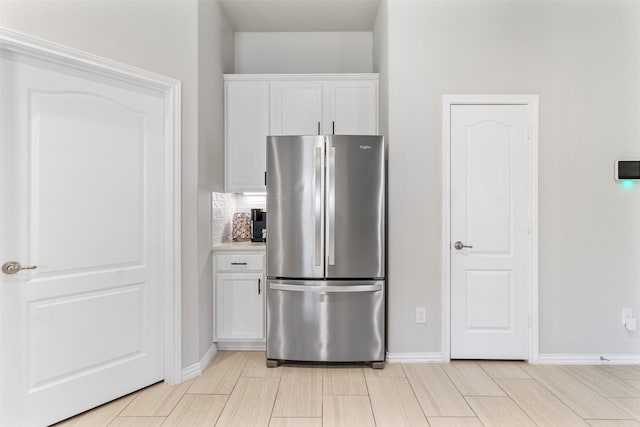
<point>630,323</point>
<point>627,169</point>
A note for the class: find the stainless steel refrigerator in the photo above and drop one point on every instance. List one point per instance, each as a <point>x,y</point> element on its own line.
<point>326,249</point>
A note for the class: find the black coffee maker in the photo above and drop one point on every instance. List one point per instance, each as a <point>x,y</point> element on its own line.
<point>258,225</point>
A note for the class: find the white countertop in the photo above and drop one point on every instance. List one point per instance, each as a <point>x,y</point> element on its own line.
<point>240,246</point>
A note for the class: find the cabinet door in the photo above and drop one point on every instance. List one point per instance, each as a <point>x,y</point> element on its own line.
<point>239,306</point>
<point>246,130</point>
<point>351,106</point>
<point>296,108</point>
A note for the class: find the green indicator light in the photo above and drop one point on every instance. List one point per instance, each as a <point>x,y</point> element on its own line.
<point>628,183</point>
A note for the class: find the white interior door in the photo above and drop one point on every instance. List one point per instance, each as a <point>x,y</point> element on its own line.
<point>490,205</point>
<point>81,198</point>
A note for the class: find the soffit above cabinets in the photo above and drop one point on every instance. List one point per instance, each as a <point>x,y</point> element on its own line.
<point>301,15</point>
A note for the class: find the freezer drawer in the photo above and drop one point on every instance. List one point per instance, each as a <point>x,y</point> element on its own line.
<point>325,321</point>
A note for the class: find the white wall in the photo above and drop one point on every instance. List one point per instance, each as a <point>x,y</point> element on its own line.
<point>215,57</point>
<point>380,62</point>
<point>160,36</point>
<point>583,59</point>
<point>303,52</point>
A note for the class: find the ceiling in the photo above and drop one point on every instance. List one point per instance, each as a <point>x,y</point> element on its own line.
<point>301,15</point>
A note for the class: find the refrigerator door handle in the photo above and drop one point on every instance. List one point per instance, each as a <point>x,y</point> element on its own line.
<point>331,205</point>
<point>326,289</point>
<point>317,200</point>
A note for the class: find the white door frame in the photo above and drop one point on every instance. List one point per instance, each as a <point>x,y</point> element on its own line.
<point>170,89</point>
<point>532,102</point>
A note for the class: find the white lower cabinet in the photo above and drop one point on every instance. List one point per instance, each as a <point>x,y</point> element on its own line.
<point>238,300</point>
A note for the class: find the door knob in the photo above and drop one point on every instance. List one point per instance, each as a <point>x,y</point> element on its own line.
<point>12,267</point>
<point>459,245</point>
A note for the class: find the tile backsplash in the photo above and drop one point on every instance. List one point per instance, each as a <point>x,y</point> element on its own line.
<point>224,205</point>
<point>244,203</point>
<point>221,206</point>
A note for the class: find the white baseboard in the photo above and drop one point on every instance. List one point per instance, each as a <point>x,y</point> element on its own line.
<point>208,356</point>
<point>589,359</point>
<point>242,345</point>
<point>191,371</point>
<point>414,357</point>
<point>197,368</point>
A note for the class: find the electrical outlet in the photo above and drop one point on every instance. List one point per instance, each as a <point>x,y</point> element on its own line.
<point>421,315</point>
<point>627,313</point>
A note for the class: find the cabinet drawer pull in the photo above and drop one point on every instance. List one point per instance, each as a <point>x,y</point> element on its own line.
<point>238,263</point>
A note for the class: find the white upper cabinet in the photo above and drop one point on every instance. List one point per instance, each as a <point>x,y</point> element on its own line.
<point>350,107</point>
<point>290,104</point>
<point>296,107</point>
<point>341,107</point>
<point>246,118</point>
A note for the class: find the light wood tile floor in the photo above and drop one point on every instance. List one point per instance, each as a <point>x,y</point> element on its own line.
<point>238,390</point>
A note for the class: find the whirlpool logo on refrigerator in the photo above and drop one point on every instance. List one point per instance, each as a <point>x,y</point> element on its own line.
<point>365,147</point>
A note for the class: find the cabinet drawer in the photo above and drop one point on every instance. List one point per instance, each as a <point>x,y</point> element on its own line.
<point>240,262</point>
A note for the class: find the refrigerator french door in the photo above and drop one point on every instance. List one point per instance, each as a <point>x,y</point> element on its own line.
<point>326,248</point>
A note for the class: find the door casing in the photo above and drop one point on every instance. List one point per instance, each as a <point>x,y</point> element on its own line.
<point>531,101</point>
<point>22,44</point>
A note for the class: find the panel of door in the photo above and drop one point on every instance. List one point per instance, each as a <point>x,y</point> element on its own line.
<point>490,248</point>
<point>296,108</point>
<point>81,199</point>
<point>355,182</point>
<point>350,107</point>
<point>295,202</point>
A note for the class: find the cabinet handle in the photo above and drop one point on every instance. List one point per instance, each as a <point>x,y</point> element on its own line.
<point>258,286</point>
<point>318,128</point>
<point>238,263</point>
<point>265,178</point>
<point>333,127</point>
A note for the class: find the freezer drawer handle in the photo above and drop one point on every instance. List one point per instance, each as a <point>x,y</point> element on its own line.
<point>328,289</point>
<point>238,263</point>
